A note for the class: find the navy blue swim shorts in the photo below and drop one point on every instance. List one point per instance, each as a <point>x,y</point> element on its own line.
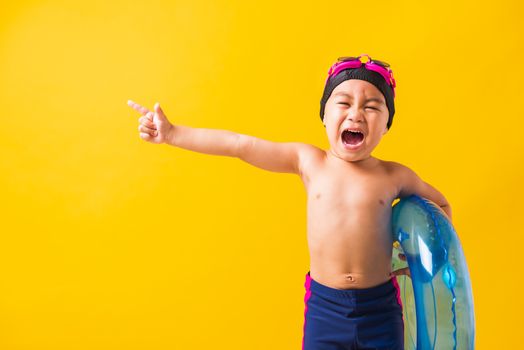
<point>347,319</point>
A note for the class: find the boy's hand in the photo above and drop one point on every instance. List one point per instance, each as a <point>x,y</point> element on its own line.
<point>403,271</point>
<point>154,126</point>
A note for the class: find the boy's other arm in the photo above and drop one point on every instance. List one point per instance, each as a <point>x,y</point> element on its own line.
<point>411,183</point>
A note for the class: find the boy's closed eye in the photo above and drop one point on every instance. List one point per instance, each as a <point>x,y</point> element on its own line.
<point>347,104</point>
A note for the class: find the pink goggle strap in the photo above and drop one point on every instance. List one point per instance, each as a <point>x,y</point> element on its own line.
<point>387,74</point>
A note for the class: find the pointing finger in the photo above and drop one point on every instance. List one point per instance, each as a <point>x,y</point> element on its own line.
<point>146,120</point>
<point>141,109</point>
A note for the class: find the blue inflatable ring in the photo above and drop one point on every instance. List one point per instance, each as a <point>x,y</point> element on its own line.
<point>437,300</point>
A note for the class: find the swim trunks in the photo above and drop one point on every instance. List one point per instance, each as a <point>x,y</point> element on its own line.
<point>350,319</point>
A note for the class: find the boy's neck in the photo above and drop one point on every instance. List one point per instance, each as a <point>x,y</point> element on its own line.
<point>369,159</point>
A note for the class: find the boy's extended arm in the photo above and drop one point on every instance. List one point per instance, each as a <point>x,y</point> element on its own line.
<point>411,183</point>
<point>268,155</point>
<point>210,141</point>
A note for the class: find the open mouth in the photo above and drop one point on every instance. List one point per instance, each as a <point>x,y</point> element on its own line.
<point>352,138</point>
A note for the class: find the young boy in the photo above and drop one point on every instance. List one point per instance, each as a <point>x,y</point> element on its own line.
<point>352,297</point>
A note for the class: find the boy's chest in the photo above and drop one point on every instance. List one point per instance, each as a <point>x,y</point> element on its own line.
<point>367,192</point>
<point>347,186</point>
<point>350,206</point>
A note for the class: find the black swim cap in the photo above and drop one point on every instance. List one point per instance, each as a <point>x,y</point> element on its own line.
<point>360,73</point>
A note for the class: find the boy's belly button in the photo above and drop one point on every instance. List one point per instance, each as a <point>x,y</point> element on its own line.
<point>350,278</point>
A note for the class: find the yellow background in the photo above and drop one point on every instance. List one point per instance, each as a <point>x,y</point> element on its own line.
<point>110,242</point>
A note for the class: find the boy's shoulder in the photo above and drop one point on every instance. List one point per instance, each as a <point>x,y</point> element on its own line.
<point>310,153</point>
<point>398,171</point>
<point>395,166</point>
<point>310,159</point>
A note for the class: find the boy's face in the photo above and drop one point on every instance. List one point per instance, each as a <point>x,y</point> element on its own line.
<point>347,107</point>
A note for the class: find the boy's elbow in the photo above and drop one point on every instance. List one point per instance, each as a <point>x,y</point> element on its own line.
<point>436,197</point>
<point>242,146</point>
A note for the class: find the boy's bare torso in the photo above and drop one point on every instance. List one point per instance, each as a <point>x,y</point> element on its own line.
<point>349,219</point>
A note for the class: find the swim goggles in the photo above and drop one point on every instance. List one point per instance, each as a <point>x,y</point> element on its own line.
<point>380,67</point>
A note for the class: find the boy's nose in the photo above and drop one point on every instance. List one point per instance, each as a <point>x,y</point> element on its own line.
<point>355,116</point>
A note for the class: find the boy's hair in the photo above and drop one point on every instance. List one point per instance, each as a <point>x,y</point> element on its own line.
<point>361,73</point>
